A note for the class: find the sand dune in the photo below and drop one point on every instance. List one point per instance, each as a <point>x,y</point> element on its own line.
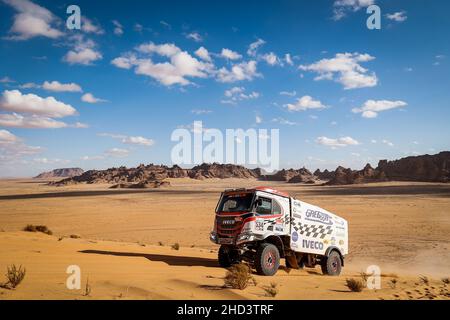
<point>402,227</point>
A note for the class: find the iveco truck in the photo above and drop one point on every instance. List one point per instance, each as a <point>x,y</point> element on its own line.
<point>263,225</point>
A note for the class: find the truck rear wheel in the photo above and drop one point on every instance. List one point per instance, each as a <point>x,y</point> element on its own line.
<point>267,259</point>
<point>228,256</point>
<point>332,265</point>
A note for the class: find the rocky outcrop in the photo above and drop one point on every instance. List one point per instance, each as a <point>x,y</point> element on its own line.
<point>431,168</point>
<point>156,174</point>
<point>349,176</point>
<point>426,168</point>
<point>324,175</point>
<point>302,175</point>
<point>60,173</point>
<point>221,171</point>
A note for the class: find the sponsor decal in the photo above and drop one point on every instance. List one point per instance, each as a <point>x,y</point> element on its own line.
<point>279,227</point>
<point>341,242</point>
<point>259,225</point>
<point>297,216</point>
<point>333,241</point>
<point>310,244</point>
<point>295,236</point>
<point>317,216</point>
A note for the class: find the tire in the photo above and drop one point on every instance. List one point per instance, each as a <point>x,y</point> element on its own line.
<point>228,256</point>
<point>332,265</point>
<point>267,259</point>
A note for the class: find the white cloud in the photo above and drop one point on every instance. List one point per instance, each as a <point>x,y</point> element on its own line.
<point>83,56</point>
<point>90,27</point>
<point>230,54</point>
<point>165,24</point>
<point>117,153</point>
<point>342,7</point>
<point>89,98</point>
<point>165,50</point>
<point>371,108</point>
<point>118,28</point>
<point>175,71</point>
<point>203,54</point>
<point>337,143</point>
<point>31,21</point>
<point>7,137</point>
<point>61,87</point>
<point>289,93</point>
<point>304,103</point>
<point>30,122</point>
<point>50,161</point>
<point>236,94</point>
<point>344,68</point>
<point>13,148</point>
<point>124,62</point>
<point>79,125</point>
<point>6,80</point>
<point>15,101</point>
<point>271,59</point>
<point>194,36</point>
<point>288,59</point>
<point>88,158</point>
<point>283,121</point>
<point>84,51</point>
<point>137,140</point>
<point>397,16</point>
<point>29,85</point>
<point>200,111</point>
<point>238,72</point>
<point>258,119</point>
<point>253,47</point>
<point>387,142</point>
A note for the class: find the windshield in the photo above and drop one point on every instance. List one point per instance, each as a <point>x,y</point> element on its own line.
<point>236,202</point>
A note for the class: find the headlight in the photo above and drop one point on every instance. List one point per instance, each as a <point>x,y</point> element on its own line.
<point>243,237</point>
<point>213,236</point>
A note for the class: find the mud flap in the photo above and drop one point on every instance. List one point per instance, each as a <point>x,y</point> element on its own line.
<point>292,260</point>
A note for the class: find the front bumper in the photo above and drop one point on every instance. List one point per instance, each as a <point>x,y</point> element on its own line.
<point>235,240</point>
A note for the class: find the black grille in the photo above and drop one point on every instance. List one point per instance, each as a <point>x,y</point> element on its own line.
<point>228,225</point>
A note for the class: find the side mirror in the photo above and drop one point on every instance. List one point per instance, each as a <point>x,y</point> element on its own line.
<point>258,202</point>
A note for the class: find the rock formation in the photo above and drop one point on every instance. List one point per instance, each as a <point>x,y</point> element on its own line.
<point>60,173</point>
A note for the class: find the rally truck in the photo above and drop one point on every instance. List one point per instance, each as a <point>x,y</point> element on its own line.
<point>263,225</point>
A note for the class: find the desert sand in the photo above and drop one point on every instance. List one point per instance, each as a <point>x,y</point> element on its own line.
<point>126,235</point>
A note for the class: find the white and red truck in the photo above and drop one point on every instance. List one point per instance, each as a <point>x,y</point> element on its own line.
<point>262,225</point>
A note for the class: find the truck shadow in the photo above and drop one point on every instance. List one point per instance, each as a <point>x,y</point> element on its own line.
<point>170,260</point>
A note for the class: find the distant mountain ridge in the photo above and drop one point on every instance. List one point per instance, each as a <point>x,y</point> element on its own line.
<point>426,168</point>
<point>60,173</point>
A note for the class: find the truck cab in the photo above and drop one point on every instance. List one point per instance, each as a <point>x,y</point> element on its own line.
<point>262,225</point>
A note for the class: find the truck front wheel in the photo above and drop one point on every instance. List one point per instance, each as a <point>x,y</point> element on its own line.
<point>228,256</point>
<point>267,259</point>
<point>332,265</point>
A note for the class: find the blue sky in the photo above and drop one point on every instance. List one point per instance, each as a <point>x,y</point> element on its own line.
<point>339,93</point>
